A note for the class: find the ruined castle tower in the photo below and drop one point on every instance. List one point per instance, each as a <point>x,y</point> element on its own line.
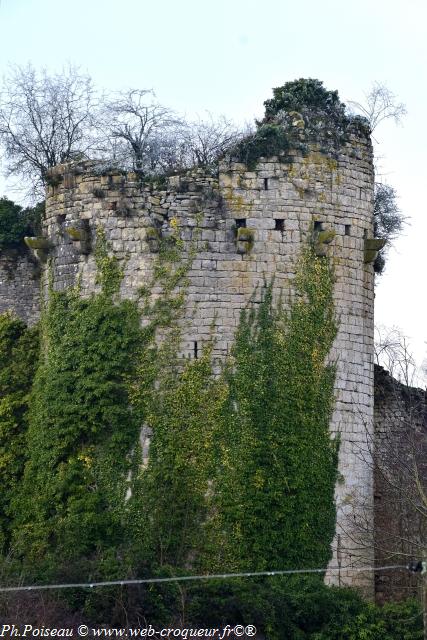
<point>253,224</point>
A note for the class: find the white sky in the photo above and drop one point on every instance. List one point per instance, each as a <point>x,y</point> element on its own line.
<point>225,56</point>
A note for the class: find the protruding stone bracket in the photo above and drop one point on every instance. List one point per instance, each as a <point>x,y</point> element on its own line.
<point>321,239</point>
<point>40,246</point>
<point>372,247</point>
<point>153,237</point>
<point>123,208</point>
<point>245,239</point>
<point>78,231</point>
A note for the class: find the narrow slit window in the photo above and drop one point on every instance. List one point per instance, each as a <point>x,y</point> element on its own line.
<point>240,223</point>
<point>279,224</point>
<point>347,229</point>
<point>196,350</point>
<point>266,184</point>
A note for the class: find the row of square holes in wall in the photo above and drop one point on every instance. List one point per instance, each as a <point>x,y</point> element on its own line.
<point>279,225</point>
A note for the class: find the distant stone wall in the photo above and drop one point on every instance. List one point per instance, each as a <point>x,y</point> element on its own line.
<point>282,201</point>
<point>20,285</point>
<point>400,517</point>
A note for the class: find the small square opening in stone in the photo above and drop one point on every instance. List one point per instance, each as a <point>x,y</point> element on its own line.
<point>266,184</point>
<point>318,225</point>
<point>240,223</point>
<point>60,218</point>
<point>347,229</point>
<point>279,224</point>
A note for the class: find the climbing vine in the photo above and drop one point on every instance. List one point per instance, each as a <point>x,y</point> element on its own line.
<point>109,272</point>
<point>170,495</point>
<point>81,428</point>
<point>241,467</point>
<point>274,493</point>
<point>18,361</point>
<point>245,458</point>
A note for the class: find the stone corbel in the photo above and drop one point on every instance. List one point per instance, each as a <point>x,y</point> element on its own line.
<point>321,240</point>
<point>40,246</point>
<point>79,233</point>
<point>244,240</point>
<point>153,237</point>
<point>371,248</point>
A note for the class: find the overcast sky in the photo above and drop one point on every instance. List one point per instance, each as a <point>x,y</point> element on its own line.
<point>225,56</point>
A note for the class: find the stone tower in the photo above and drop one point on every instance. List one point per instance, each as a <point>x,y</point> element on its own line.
<point>253,223</point>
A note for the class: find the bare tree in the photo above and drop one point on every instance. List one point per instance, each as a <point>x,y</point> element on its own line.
<point>393,353</point>
<point>380,105</point>
<point>141,132</point>
<point>45,120</point>
<point>150,138</point>
<point>207,140</point>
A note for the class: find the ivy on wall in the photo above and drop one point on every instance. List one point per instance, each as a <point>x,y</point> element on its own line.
<point>18,360</point>
<point>169,503</point>
<point>241,468</point>
<point>246,458</point>
<point>274,492</point>
<point>81,427</point>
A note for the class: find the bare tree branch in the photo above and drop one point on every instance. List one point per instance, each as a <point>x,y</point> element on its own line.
<point>380,105</point>
<point>45,120</point>
<point>207,140</point>
<point>138,128</point>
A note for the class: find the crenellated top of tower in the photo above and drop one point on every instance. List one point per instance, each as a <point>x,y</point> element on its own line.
<point>305,172</point>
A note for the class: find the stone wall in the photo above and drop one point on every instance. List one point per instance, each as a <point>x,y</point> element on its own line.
<point>400,514</point>
<point>282,201</point>
<point>20,284</point>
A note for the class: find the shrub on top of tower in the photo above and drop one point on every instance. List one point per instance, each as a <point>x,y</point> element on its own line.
<point>300,111</point>
<point>319,110</point>
<point>305,93</point>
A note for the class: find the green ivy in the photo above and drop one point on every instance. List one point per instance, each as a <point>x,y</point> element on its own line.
<point>109,272</point>
<point>241,469</point>
<point>18,360</point>
<point>169,497</point>
<point>274,493</point>
<point>267,141</point>
<point>81,428</point>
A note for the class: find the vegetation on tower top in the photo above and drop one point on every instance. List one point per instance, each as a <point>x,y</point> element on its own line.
<point>300,111</point>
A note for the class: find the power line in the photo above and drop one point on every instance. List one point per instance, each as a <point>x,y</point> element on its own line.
<point>215,576</point>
